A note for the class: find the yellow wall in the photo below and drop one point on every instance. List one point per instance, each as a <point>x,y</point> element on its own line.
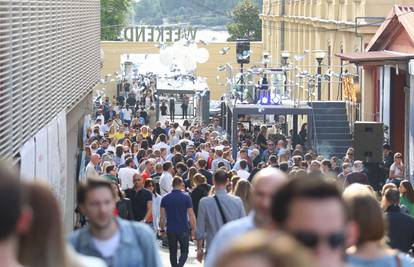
<point>317,24</point>
<point>113,51</point>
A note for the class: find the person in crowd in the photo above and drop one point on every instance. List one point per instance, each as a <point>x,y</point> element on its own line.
<point>43,244</point>
<point>141,200</point>
<point>407,196</point>
<point>172,108</point>
<point>149,169</point>
<point>243,156</point>
<point>104,146</point>
<point>346,169</point>
<point>388,157</point>
<point>311,209</point>
<point>149,184</point>
<point>370,248</point>
<point>243,190</point>
<point>219,158</point>
<point>242,172</point>
<point>166,178</point>
<point>349,157</point>
<point>397,170</point>
<point>118,242</point>
<point>269,151</point>
<point>261,140</point>
<point>126,174</point>
<point>326,168</point>
<point>215,211</point>
<point>157,131</point>
<point>202,165</point>
<point>201,189</point>
<point>400,225</point>
<point>163,108</point>
<point>123,205</point>
<point>90,170</point>
<point>16,217</point>
<point>157,175</point>
<point>265,184</point>
<point>315,168</point>
<point>177,210</point>
<point>357,175</point>
<point>127,115</point>
<point>261,249</point>
<point>110,173</point>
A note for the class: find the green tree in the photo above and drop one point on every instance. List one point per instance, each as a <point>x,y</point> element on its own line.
<point>246,22</point>
<point>114,17</point>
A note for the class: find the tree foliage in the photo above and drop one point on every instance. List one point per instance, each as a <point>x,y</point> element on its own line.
<point>246,22</point>
<point>194,12</point>
<point>114,16</point>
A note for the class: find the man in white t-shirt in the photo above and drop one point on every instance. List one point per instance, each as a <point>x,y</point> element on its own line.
<point>127,112</point>
<point>126,174</point>
<point>242,172</point>
<point>162,143</point>
<point>166,178</point>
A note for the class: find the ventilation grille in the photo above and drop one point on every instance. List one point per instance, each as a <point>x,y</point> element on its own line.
<point>49,61</point>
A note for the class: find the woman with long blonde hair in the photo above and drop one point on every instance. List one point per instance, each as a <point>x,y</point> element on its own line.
<point>244,191</point>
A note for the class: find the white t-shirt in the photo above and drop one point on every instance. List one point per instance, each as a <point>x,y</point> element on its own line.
<point>243,174</point>
<point>166,183</point>
<point>107,247</point>
<point>127,114</point>
<point>125,175</point>
<point>162,145</point>
<point>397,171</point>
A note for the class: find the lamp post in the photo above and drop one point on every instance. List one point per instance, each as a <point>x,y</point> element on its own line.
<point>320,55</point>
<point>285,56</point>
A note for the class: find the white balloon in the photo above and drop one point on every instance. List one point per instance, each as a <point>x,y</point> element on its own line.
<point>189,63</point>
<point>202,55</point>
<point>167,56</point>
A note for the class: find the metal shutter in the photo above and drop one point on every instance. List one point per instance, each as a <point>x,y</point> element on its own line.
<point>49,61</point>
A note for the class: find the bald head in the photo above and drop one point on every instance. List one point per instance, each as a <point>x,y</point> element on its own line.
<point>265,184</point>
<point>96,159</point>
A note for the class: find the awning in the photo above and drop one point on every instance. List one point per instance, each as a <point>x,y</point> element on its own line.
<point>375,57</point>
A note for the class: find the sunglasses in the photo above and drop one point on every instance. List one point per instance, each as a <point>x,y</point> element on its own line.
<point>311,240</point>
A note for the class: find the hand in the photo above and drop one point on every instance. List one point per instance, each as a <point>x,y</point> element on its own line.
<point>192,235</point>
<point>163,233</point>
<point>200,255</point>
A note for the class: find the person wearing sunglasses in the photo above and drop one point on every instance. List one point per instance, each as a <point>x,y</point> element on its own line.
<point>314,213</point>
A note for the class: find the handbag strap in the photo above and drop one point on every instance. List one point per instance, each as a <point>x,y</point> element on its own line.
<point>220,209</point>
<point>398,260</point>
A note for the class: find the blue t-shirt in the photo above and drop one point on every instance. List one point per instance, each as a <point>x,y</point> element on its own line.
<point>386,261</point>
<point>176,205</point>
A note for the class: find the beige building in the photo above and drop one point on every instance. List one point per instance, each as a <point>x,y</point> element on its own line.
<point>216,80</point>
<point>303,26</point>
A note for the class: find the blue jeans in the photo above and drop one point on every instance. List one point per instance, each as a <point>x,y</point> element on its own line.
<point>173,240</point>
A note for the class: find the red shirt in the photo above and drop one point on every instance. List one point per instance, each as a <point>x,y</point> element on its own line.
<point>145,175</point>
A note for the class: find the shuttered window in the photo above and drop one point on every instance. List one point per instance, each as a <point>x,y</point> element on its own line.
<point>49,61</point>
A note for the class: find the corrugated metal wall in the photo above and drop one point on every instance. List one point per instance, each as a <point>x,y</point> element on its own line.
<point>49,60</point>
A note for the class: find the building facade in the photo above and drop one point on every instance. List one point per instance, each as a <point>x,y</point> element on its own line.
<point>388,67</point>
<point>49,65</point>
<point>302,27</point>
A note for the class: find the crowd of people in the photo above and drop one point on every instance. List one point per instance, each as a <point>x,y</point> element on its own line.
<point>276,204</point>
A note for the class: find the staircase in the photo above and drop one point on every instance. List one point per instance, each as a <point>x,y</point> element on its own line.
<point>333,136</point>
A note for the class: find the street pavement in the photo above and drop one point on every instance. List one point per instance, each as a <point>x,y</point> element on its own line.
<point>191,261</point>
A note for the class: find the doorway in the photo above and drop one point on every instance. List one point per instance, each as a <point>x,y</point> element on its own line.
<point>397,125</point>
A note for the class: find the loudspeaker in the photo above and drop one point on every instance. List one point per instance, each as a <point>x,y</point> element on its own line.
<point>243,51</point>
<point>368,140</point>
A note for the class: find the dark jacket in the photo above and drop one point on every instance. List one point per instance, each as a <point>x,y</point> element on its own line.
<point>207,174</point>
<point>198,193</point>
<point>400,229</point>
<point>125,209</point>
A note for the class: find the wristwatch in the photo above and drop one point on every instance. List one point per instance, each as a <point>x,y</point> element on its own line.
<point>162,230</point>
